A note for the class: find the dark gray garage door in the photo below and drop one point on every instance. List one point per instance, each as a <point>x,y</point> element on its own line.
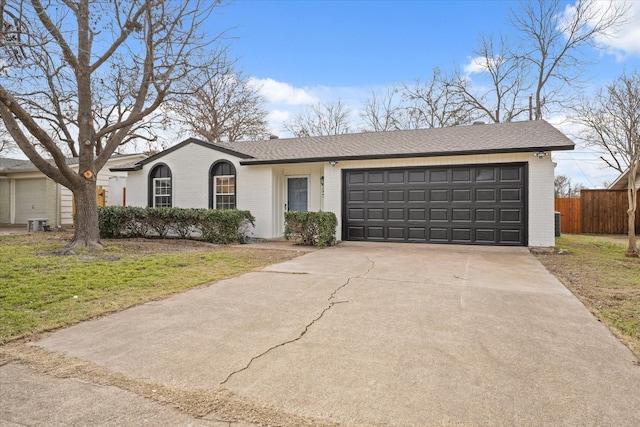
<point>479,204</point>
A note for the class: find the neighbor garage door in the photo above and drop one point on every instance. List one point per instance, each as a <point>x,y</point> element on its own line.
<point>31,199</point>
<point>479,204</point>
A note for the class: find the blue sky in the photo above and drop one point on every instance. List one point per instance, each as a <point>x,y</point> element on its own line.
<point>302,52</point>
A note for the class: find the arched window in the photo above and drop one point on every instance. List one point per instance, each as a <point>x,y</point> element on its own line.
<point>160,186</point>
<point>222,185</point>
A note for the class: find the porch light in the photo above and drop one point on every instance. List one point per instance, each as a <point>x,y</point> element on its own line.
<point>541,154</point>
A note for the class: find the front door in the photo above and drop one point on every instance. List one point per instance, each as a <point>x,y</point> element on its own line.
<point>297,193</point>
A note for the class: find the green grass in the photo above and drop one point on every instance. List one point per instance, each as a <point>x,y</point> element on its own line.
<point>40,290</point>
<point>608,283</point>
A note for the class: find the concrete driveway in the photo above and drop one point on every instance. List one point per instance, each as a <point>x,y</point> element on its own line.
<point>359,334</point>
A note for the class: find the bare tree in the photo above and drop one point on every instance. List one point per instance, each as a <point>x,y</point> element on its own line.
<point>612,122</point>
<point>223,107</point>
<point>78,77</point>
<point>502,101</point>
<point>320,119</point>
<point>553,39</point>
<point>384,111</point>
<point>564,187</point>
<point>434,103</point>
<point>5,141</point>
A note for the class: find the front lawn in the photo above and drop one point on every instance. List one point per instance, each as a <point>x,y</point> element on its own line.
<point>595,269</point>
<point>41,290</point>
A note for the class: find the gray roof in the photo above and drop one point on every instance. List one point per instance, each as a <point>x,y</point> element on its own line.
<point>7,164</point>
<point>459,140</point>
<point>18,165</point>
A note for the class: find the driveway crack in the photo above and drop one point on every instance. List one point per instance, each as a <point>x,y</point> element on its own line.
<point>332,302</point>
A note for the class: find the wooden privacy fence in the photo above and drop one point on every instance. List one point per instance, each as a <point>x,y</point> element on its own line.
<point>101,198</point>
<point>596,212</point>
<point>570,221</point>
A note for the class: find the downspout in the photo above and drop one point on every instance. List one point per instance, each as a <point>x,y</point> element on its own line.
<point>58,206</point>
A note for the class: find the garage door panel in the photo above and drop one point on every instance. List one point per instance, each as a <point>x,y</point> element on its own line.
<point>375,178</point>
<point>417,214</point>
<point>485,235</point>
<point>356,195</point>
<point>486,215</point>
<point>396,178</point>
<point>355,233</point>
<point>375,195</point>
<point>438,195</point>
<point>461,195</point>
<point>512,236</point>
<point>417,195</point>
<point>510,174</point>
<point>417,177</point>
<point>375,214</point>
<point>510,195</point>
<point>510,215</point>
<point>439,214</point>
<point>461,175</point>
<point>417,234</point>
<point>481,204</point>
<point>396,233</point>
<point>436,176</point>
<point>485,195</point>
<point>375,233</point>
<point>485,174</point>
<point>395,215</point>
<point>356,214</point>
<point>458,215</point>
<point>438,235</point>
<point>461,235</point>
<point>396,196</point>
<point>356,178</point>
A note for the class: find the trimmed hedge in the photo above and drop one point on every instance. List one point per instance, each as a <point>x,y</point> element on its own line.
<point>311,228</point>
<point>211,225</point>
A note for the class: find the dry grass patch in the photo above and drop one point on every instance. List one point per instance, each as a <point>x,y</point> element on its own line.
<point>608,283</point>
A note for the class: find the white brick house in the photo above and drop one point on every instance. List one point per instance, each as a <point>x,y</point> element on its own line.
<point>482,184</point>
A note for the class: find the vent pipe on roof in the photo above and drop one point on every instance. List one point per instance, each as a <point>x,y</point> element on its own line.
<point>274,137</point>
<point>478,123</point>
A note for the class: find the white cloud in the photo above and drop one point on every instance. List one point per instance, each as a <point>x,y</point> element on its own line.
<point>625,40</point>
<point>278,115</point>
<point>476,65</point>
<point>480,64</point>
<point>282,93</point>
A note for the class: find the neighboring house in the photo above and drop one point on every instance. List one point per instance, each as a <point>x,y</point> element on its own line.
<point>622,181</point>
<point>25,192</point>
<point>483,184</point>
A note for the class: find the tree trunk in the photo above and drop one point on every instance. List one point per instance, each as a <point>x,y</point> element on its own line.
<point>87,232</point>
<point>632,193</point>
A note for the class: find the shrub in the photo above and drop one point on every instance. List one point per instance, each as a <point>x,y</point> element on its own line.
<point>311,228</point>
<point>112,221</point>
<point>216,226</point>
<point>184,222</point>
<point>224,226</point>
<point>160,220</point>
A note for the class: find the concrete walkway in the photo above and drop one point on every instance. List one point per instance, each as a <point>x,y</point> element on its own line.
<point>358,334</point>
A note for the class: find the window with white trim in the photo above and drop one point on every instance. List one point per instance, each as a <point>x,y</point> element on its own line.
<point>160,187</point>
<point>225,192</point>
<point>162,192</point>
<point>222,185</point>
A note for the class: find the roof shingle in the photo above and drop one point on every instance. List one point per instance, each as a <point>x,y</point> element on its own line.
<point>502,137</point>
<point>459,140</point>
